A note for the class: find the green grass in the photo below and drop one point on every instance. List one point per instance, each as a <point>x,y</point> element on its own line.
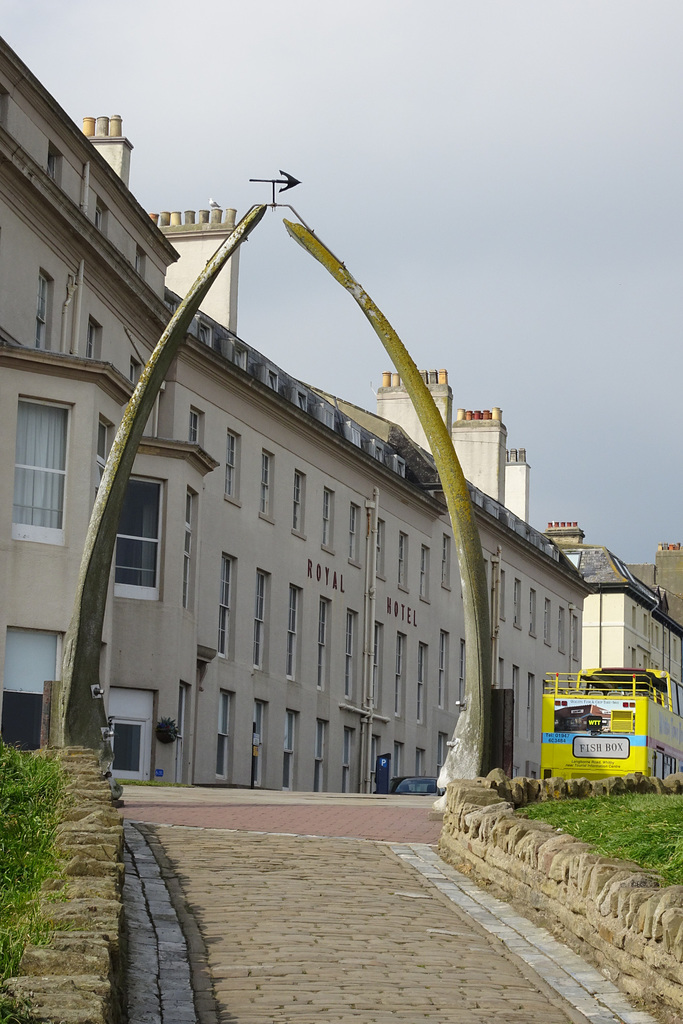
<point>645,828</point>
<point>31,790</point>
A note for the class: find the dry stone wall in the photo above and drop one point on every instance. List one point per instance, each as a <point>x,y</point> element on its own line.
<point>78,977</point>
<point>612,911</point>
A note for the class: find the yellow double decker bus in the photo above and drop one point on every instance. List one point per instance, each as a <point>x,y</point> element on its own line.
<point>611,721</point>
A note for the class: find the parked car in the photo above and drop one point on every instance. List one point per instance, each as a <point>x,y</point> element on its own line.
<point>414,785</point>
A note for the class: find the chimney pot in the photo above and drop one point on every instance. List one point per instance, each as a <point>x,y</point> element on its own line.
<point>216,216</point>
<point>164,219</point>
<point>395,380</point>
<point>89,126</point>
<point>154,217</point>
<point>230,217</point>
<point>496,413</point>
<point>176,218</point>
<point>204,216</point>
<point>116,126</point>
<point>487,414</point>
<point>102,127</point>
<point>386,379</point>
<point>460,415</point>
<point>468,414</point>
<point>443,376</point>
<point>522,458</point>
<point>189,216</point>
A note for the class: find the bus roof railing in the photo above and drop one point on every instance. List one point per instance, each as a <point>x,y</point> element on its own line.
<point>611,683</point>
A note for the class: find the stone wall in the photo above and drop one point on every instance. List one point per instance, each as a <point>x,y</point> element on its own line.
<point>78,977</point>
<point>612,912</point>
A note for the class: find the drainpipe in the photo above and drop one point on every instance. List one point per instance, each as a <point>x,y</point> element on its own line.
<point>600,633</point>
<point>495,614</point>
<point>76,323</point>
<point>70,287</point>
<point>571,608</point>
<point>370,603</point>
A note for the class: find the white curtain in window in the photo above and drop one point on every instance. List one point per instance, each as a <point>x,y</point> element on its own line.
<point>40,465</point>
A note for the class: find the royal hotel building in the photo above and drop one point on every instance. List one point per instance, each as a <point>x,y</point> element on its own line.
<point>285,585</point>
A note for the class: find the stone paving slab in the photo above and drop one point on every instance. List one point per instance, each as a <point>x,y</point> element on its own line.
<point>316,931</point>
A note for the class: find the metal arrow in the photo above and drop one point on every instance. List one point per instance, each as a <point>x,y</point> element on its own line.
<point>288,181</point>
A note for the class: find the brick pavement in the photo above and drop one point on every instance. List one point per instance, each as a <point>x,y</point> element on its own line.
<point>316,931</point>
<point>367,821</point>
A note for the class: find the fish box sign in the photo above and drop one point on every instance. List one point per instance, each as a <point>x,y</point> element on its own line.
<point>601,746</point>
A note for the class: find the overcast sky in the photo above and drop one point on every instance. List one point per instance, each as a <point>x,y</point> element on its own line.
<point>504,178</point>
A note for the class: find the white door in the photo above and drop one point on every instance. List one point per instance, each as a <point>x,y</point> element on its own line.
<point>133,713</point>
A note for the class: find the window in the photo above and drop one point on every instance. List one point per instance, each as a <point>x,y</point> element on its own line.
<point>380,547</point>
<point>240,357</point>
<point>39,473</point>
<point>102,449</point>
<point>323,608</point>
<point>193,427</point>
<point>398,675</point>
<point>42,337</point>
<point>515,695</point>
<point>402,558</point>
<point>319,768</point>
<point>462,669</point>
<point>560,629</point>
<point>349,645</point>
<point>354,516</point>
<point>516,603</point>
<point>205,333</point>
<point>441,750</point>
<point>376,662</point>
<point>100,215</point>
<point>443,668</point>
<point>288,755</point>
<point>424,571</point>
<point>502,594</point>
<point>421,676</point>
<point>223,734</point>
<point>419,761</point>
<point>298,502</point>
<point>137,543</point>
<point>134,370</point>
<point>532,612</point>
<point>264,502</point>
<point>224,605</point>
<point>272,380</point>
<point>398,759</point>
<point>187,548</point>
<point>259,619</point>
<point>231,464</point>
<point>54,164</point>
<point>292,616</point>
<point>139,261</point>
<point>445,561</point>
<point>546,620</point>
<point>93,339</point>
<point>346,760</point>
<point>327,517</point>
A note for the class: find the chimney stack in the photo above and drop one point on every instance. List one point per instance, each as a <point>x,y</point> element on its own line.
<point>106,134</point>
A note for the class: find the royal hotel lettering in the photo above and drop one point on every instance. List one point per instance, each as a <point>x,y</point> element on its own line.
<point>324,573</point>
<point>402,611</point>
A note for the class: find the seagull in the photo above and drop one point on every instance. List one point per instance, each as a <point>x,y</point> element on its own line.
<point>214,205</point>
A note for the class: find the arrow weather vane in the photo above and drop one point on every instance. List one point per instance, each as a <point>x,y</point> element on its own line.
<point>287,182</point>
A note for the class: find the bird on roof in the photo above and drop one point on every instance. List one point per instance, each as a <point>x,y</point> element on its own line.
<point>214,205</point>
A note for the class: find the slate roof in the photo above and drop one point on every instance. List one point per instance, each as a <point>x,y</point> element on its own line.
<point>599,565</point>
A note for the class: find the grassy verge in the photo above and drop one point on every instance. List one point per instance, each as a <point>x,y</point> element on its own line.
<point>645,828</point>
<point>31,789</point>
